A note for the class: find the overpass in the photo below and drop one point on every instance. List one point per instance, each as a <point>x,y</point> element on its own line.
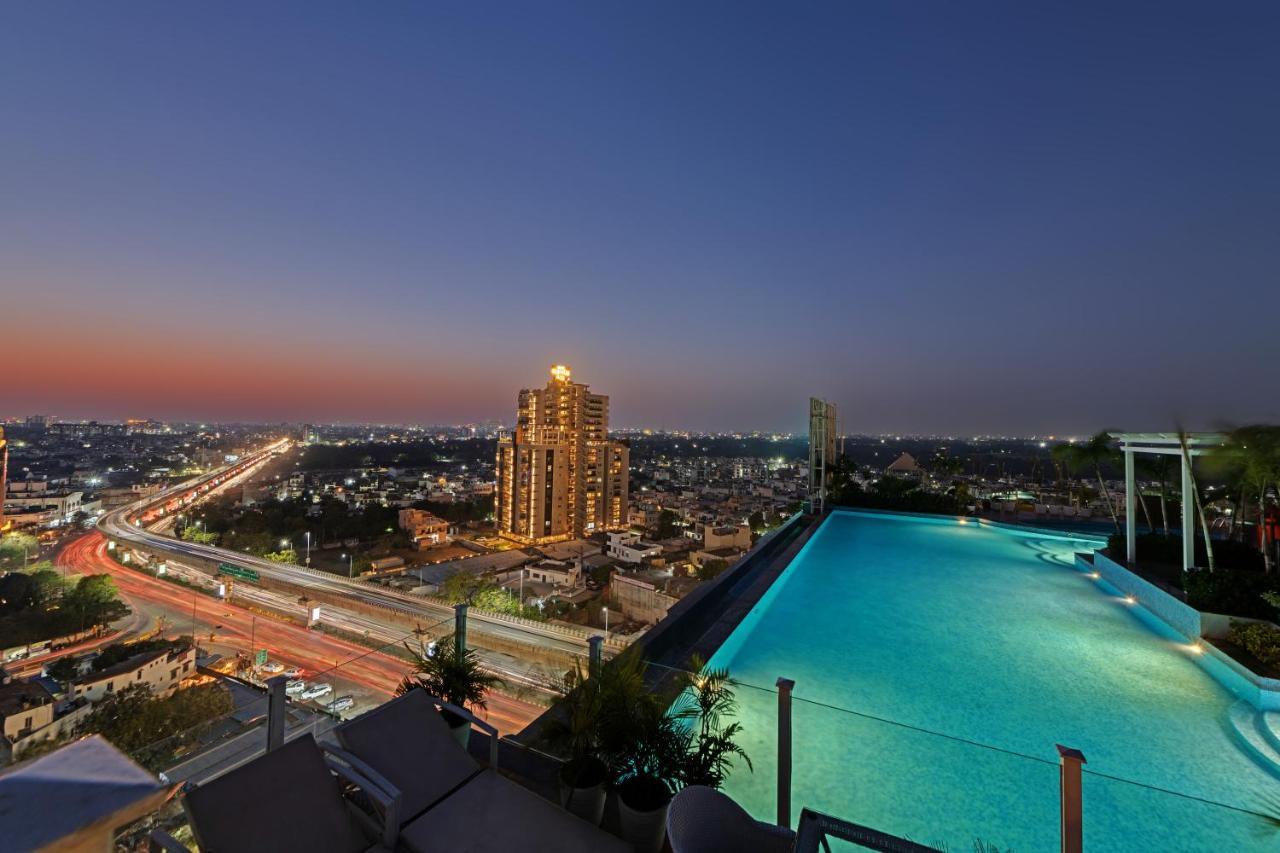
<point>128,526</point>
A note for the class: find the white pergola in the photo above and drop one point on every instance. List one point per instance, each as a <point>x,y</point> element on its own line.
<point>1168,444</point>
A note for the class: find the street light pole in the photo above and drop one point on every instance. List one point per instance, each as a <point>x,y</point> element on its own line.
<point>308,547</point>
<point>351,560</point>
<point>606,623</point>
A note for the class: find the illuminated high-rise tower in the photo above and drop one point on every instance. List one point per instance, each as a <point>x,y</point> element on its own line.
<point>559,475</point>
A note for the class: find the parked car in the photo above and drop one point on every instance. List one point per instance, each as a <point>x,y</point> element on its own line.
<point>293,672</point>
<point>342,703</point>
<point>295,686</point>
<point>272,667</point>
<point>315,691</point>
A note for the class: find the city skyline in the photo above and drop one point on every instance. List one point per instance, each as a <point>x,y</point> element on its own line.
<point>943,219</point>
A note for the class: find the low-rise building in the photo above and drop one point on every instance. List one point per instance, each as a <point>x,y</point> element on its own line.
<point>556,572</point>
<point>162,669</point>
<point>726,536</point>
<point>425,528</point>
<point>26,707</point>
<point>729,555</point>
<point>640,596</point>
<point>629,548</point>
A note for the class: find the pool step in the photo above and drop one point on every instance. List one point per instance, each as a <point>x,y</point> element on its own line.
<point>1255,732</point>
<point>1270,726</point>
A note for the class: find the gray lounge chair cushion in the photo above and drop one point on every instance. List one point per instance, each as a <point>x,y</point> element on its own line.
<point>491,814</point>
<point>409,743</point>
<point>284,800</point>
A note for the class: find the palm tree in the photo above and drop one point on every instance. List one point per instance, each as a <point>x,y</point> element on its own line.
<point>1184,442</point>
<point>1092,454</point>
<point>1064,457</point>
<point>456,678</point>
<point>1157,468</point>
<point>706,708</point>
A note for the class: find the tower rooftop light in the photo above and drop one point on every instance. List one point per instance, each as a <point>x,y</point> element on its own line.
<point>560,373</point>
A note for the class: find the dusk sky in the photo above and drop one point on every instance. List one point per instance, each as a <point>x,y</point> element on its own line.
<point>946,217</point>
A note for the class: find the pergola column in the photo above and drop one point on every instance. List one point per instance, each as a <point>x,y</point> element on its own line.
<point>1188,515</point>
<point>1130,510</point>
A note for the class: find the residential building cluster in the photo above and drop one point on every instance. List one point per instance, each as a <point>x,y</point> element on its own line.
<point>41,708</point>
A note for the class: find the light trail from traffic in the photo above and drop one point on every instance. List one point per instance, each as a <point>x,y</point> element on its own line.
<point>317,653</point>
<point>128,525</point>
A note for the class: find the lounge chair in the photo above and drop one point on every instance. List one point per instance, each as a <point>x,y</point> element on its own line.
<point>703,820</point>
<point>448,801</point>
<point>287,799</point>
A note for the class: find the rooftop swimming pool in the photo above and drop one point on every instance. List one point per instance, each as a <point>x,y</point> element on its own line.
<point>937,663</point>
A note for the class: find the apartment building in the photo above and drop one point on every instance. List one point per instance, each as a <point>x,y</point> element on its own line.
<point>559,476</point>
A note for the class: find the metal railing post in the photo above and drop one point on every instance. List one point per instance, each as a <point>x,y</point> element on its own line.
<point>595,655</point>
<point>460,628</point>
<point>785,686</point>
<point>275,712</point>
<point>1069,761</point>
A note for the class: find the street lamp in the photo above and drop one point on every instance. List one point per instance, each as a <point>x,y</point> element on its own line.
<point>308,547</point>
<point>606,624</point>
<point>351,560</point>
<point>285,544</point>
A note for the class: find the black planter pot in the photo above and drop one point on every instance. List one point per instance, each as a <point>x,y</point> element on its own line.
<point>642,812</point>
<point>460,726</point>
<point>582,788</point>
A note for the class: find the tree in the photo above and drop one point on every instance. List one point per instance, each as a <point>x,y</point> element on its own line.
<point>1095,453</point>
<point>15,548</point>
<point>63,669</point>
<point>446,674</point>
<point>1253,452</point>
<point>1066,459</point>
<point>1184,443</point>
<point>710,569</point>
<point>1157,468</point>
<point>121,652</point>
<point>666,527</point>
<point>191,533</point>
<point>288,555</point>
<point>94,601</point>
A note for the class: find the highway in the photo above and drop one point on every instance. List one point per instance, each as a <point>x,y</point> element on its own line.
<point>126,525</point>
<point>319,655</point>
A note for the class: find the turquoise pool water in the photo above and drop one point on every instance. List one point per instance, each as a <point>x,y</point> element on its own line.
<point>990,637</point>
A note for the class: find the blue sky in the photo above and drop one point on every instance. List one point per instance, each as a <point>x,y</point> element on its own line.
<point>947,217</point>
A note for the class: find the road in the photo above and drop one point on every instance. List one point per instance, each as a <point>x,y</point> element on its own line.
<point>121,526</point>
<point>319,655</point>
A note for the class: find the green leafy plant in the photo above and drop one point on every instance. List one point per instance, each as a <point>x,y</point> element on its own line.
<point>1259,639</point>
<point>457,679</point>
<point>705,709</point>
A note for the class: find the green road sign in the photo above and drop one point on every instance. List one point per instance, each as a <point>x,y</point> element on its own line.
<point>237,572</point>
<point>261,658</point>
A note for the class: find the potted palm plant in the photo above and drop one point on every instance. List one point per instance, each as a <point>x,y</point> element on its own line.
<point>705,710</point>
<point>693,741</point>
<point>575,731</point>
<point>583,732</point>
<point>647,763</point>
<point>454,675</point>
